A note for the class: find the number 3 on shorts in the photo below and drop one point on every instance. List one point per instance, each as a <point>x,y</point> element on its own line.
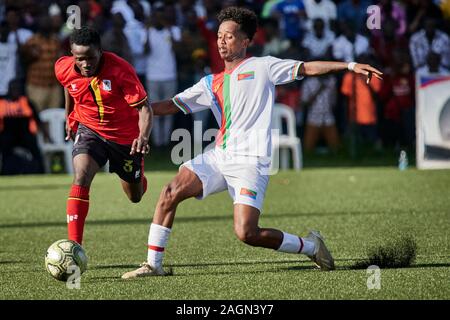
<point>128,166</point>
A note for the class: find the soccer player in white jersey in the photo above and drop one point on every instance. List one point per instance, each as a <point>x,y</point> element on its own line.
<point>241,99</point>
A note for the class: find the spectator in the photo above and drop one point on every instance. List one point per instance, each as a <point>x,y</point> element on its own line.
<point>115,40</point>
<point>397,93</point>
<point>361,103</point>
<point>274,43</point>
<point>429,39</point>
<point>433,66</point>
<point>8,59</point>
<point>349,44</point>
<point>319,41</point>
<point>323,9</point>
<point>162,70</point>
<point>19,123</point>
<point>41,51</point>
<point>392,10</point>
<point>354,13</point>
<point>420,10</point>
<point>291,15</point>
<point>386,43</point>
<point>318,99</point>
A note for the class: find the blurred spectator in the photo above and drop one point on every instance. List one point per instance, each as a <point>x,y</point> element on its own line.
<point>19,122</point>
<point>354,14</point>
<point>318,99</point>
<point>324,9</point>
<point>386,43</point>
<point>162,70</point>
<point>429,39</point>
<point>8,59</point>
<point>274,43</point>
<point>41,52</point>
<point>268,8</point>
<point>433,66</point>
<point>319,41</point>
<point>116,41</point>
<point>362,109</point>
<point>210,35</point>
<point>420,10</point>
<point>349,44</point>
<point>136,33</point>
<point>397,93</point>
<point>291,15</point>
<point>392,10</point>
<point>182,7</point>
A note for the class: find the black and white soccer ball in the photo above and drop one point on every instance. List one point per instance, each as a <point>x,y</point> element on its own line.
<point>65,258</point>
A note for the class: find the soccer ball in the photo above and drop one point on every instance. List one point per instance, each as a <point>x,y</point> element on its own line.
<point>64,258</point>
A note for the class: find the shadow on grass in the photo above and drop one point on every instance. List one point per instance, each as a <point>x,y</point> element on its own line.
<point>183,219</point>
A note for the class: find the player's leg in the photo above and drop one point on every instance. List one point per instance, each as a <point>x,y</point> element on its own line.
<point>246,227</point>
<point>85,168</point>
<point>135,187</point>
<point>186,184</point>
<point>89,155</point>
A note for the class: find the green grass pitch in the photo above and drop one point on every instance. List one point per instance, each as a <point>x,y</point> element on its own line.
<point>353,208</point>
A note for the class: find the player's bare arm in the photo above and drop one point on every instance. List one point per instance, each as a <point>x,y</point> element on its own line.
<point>164,108</point>
<point>140,144</point>
<point>316,68</point>
<point>68,105</point>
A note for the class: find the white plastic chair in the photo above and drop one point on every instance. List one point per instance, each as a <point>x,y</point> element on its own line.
<point>56,118</point>
<point>285,142</point>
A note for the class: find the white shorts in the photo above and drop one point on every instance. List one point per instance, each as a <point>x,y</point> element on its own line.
<point>245,177</point>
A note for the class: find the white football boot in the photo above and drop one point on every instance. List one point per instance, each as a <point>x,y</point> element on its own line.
<point>321,257</point>
<point>145,270</point>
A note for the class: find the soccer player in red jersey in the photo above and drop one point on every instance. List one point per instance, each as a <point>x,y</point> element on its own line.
<point>108,117</point>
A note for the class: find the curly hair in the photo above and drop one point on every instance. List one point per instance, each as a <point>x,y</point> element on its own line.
<point>85,36</point>
<point>245,18</point>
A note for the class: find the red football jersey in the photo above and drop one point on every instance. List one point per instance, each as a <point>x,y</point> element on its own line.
<point>105,102</point>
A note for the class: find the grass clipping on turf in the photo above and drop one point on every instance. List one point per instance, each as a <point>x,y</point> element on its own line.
<point>396,253</point>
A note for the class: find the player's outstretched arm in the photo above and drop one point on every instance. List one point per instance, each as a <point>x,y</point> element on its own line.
<point>140,144</point>
<point>316,68</point>
<point>163,108</point>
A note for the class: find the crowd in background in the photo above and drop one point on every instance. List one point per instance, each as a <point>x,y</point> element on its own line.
<point>172,45</point>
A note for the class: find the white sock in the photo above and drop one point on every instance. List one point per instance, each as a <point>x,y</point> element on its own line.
<point>157,241</point>
<point>294,244</point>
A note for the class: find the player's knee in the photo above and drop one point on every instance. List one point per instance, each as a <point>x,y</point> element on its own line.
<point>82,178</point>
<point>247,235</point>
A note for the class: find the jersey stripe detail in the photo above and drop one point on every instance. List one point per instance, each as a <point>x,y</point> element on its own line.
<point>134,104</point>
<point>180,104</point>
<point>97,96</point>
<point>209,81</point>
<point>227,109</point>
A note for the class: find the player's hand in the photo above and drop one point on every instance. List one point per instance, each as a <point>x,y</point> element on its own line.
<point>368,71</point>
<point>140,145</point>
<point>69,132</point>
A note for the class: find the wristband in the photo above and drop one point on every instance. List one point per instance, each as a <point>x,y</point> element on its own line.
<point>351,66</point>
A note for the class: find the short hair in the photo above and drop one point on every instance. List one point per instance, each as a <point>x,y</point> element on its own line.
<point>85,36</point>
<point>245,18</point>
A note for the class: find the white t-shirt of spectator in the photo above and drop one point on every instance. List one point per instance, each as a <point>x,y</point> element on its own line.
<point>425,71</point>
<point>325,9</point>
<point>346,51</point>
<point>241,101</point>
<point>161,63</point>
<point>318,46</point>
<point>136,34</point>
<point>7,65</point>
<point>420,47</point>
<point>22,34</point>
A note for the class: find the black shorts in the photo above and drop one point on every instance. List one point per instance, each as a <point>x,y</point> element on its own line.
<point>128,167</point>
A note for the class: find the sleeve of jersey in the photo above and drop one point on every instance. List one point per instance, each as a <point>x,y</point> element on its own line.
<point>132,88</point>
<point>194,99</point>
<point>59,70</point>
<point>283,71</point>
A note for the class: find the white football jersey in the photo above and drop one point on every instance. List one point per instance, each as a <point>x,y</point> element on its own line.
<point>241,101</point>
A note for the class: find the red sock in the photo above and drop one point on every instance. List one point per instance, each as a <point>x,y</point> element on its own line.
<point>77,210</point>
